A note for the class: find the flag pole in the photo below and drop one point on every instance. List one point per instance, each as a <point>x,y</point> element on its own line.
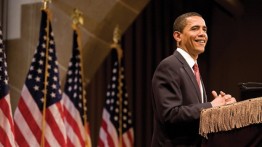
<point>78,19</point>
<point>117,47</point>
<point>45,8</point>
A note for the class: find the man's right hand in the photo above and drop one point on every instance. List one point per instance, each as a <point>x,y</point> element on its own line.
<point>222,99</point>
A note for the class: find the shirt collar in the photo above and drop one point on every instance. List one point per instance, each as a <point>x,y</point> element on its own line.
<point>187,57</point>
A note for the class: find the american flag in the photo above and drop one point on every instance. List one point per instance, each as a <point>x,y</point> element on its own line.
<point>39,115</point>
<point>74,98</point>
<point>6,118</point>
<point>116,129</point>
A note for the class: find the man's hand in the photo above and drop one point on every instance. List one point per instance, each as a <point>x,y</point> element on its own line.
<point>222,99</point>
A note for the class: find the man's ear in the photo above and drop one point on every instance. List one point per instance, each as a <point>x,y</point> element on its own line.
<point>177,36</point>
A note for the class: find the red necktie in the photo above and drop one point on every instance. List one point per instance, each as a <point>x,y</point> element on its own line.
<point>197,74</point>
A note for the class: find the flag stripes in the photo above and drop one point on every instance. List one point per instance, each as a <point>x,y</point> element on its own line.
<point>6,121</point>
<point>108,136</point>
<point>75,129</point>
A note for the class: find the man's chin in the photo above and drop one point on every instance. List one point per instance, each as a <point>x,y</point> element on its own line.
<point>201,50</point>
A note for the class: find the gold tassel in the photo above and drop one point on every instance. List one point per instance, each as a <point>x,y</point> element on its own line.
<point>229,117</point>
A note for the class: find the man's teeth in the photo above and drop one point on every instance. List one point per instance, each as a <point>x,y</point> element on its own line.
<point>200,41</point>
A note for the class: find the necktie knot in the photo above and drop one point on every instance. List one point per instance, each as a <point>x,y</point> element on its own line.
<point>196,69</point>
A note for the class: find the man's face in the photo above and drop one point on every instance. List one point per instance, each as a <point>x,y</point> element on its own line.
<point>193,38</point>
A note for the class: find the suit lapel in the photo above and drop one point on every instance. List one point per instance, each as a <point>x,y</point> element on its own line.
<point>190,74</point>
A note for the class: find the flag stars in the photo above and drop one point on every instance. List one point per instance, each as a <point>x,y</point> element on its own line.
<point>69,88</point>
<point>108,101</point>
<point>114,71</point>
<point>31,67</point>
<point>51,42</point>
<point>70,65</point>
<point>112,93</point>
<point>75,95</point>
<point>53,95</point>
<point>107,93</point>
<point>75,87</point>
<point>116,118</point>
<point>29,76</point>
<point>33,60</point>
<point>37,79</point>
<point>56,70</point>
<point>5,81</point>
<point>36,88</point>
<point>51,50</point>
<point>69,72</point>
<point>54,86</point>
<point>76,72</point>
<point>43,45</point>
<point>42,54</point>
<point>39,71</point>
<point>41,62</point>
<point>80,105</point>
<point>69,80</point>
<point>55,78</point>
<point>76,79</point>
<point>112,100</point>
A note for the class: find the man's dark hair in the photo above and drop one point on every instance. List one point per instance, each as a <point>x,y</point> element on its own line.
<point>180,21</point>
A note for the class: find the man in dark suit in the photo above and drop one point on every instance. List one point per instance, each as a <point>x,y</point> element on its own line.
<point>178,96</point>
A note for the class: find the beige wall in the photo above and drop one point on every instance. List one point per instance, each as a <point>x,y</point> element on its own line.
<point>101,17</point>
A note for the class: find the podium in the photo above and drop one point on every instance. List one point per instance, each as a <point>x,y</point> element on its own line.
<point>234,125</point>
<point>250,90</point>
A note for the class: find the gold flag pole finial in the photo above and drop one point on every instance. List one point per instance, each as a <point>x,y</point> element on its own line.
<point>77,17</point>
<point>116,42</point>
<point>45,4</point>
<point>116,35</point>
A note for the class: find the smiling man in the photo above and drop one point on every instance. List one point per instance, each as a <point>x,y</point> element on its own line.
<point>178,92</point>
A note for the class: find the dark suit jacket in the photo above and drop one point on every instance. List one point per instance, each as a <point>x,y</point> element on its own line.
<point>176,103</point>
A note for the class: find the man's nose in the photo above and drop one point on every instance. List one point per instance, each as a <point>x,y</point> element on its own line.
<point>202,33</point>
